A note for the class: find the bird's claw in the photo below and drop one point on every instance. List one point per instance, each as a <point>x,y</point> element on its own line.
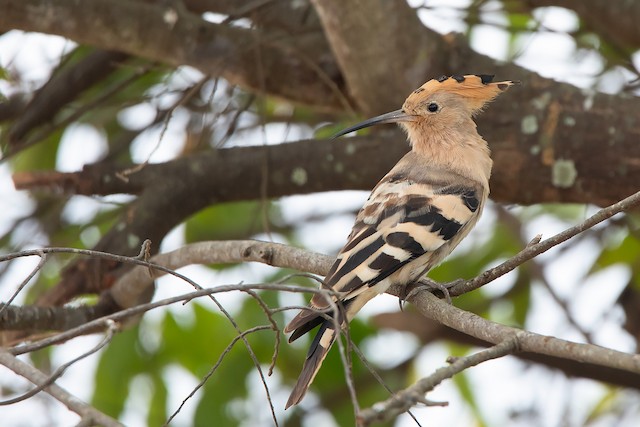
<point>426,284</point>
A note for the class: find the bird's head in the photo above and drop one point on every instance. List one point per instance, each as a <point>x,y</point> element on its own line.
<point>441,102</point>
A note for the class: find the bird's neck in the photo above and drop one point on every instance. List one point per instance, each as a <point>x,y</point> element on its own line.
<point>460,149</point>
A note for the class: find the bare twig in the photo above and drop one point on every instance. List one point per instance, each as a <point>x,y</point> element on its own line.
<point>111,330</point>
<point>103,322</point>
<point>167,114</point>
<point>43,260</point>
<point>274,326</point>
<point>537,270</point>
<point>88,413</point>
<point>251,353</point>
<point>214,368</point>
<point>536,249</point>
<point>405,399</point>
<point>378,378</point>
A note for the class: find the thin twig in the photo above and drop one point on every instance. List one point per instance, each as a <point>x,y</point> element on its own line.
<point>537,270</point>
<point>405,399</point>
<point>102,323</point>
<point>167,114</point>
<point>378,378</point>
<point>87,412</point>
<point>43,260</point>
<point>274,326</point>
<point>536,249</point>
<point>215,368</point>
<point>252,355</point>
<point>110,332</point>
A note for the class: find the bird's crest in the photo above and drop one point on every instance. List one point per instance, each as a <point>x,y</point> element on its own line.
<point>476,90</point>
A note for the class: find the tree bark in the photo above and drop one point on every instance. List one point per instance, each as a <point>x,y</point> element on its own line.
<point>175,36</point>
<point>616,21</point>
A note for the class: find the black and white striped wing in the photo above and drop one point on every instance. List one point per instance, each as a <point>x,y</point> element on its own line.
<point>406,227</point>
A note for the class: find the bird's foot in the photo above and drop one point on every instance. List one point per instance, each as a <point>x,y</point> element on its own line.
<point>426,284</point>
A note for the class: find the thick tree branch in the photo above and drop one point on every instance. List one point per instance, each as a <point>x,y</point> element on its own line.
<point>300,167</point>
<point>614,20</point>
<point>429,331</point>
<point>61,89</point>
<point>170,34</point>
<point>382,48</point>
<point>519,177</point>
<point>433,308</point>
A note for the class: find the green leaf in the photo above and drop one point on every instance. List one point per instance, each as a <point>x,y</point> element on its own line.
<point>122,360</point>
<point>158,406</point>
<point>604,407</point>
<point>4,75</point>
<point>225,222</point>
<point>41,156</point>
<point>521,298</point>
<point>627,252</point>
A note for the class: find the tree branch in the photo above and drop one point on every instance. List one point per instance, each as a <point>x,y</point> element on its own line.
<point>62,88</point>
<point>173,35</point>
<point>433,308</point>
<point>616,21</point>
<point>404,400</point>
<point>137,286</point>
<point>89,414</point>
<point>382,48</point>
<point>429,331</point>
<point>536,249</point>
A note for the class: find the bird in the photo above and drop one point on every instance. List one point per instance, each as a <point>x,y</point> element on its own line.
<point>416,214</point>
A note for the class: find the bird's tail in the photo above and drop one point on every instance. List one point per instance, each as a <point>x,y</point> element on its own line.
<point>317,352</point>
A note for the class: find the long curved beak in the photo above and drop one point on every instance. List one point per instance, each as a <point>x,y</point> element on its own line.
<point>392,117</point>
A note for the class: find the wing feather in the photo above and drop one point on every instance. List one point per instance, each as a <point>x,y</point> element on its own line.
<point>406,219</point>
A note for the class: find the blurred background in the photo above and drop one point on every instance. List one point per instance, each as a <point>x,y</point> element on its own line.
<point>73,103</point>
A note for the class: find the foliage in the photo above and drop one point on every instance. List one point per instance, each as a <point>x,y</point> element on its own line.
<point>142,110</point>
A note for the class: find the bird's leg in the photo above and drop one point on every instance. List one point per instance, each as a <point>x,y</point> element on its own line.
<point>427,284</point>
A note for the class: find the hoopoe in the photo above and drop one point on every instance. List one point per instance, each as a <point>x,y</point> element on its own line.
<point>415,215</point>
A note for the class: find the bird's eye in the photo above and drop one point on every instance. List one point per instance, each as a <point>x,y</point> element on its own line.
<point>433,107</point>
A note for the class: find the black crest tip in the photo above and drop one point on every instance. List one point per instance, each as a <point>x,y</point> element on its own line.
<point>486,78</point>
